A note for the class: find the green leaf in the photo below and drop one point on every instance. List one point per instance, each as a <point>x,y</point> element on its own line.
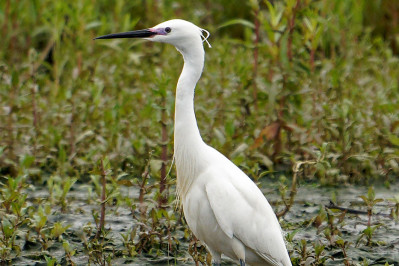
<point>377,201</point>
<point>364,198</point>
<point>7,228</point>
<point>393,139</point>
<point>66,246</point>
<point>15,78</point>
<point>371,194</point>
<point>232,22</point>
<point>62,153</point>
<point>340,242</point>
<point>27,161</point>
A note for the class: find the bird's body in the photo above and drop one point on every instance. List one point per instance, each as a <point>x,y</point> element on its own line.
<point>222,206</point>
<point>228,212</point>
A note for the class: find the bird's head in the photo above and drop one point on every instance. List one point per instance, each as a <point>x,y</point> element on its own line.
<point>180,33</point>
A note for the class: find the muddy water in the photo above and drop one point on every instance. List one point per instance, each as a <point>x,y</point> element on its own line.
<point>386,238</point>
<point>308,202</point>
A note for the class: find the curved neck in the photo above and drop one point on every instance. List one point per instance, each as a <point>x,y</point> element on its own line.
<point>188,143</point>
<point>186,128</point>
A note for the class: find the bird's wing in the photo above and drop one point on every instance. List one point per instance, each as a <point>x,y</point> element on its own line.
<point>242,211</point>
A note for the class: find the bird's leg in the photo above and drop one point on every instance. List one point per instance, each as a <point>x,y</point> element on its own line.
<point>216,262</point>
<point>216,257</point>
<point>239,250</point>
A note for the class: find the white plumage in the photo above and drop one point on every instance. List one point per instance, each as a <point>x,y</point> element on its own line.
<point>222,205</point>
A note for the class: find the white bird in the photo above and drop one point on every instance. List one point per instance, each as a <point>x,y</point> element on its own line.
<point>223,207</point>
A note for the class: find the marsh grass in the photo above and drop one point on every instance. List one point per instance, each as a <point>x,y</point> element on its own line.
<point>285,82</point>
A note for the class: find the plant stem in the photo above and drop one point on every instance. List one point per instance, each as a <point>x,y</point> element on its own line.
<point>164,157</point>
<point>292,193</point>
<point>103,194</point>
<point>72,144</point>
<point>143,190</point>
<point>6,17</point>
<point>256,56</point>
<point>291,26</point>
<point>35,118</point>
<point>312,56</point>
<point>10,124</point>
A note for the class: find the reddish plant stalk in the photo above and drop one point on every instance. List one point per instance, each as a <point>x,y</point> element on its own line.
<point>6,16</point>
<point>293,192</point>
<point>103,197</point>
<point>164,157</point>
<point>312,55</point>
<point>72,132</point>
<point>10,124</point>
<point>143,190</point>
<point>291,26</point>
<point>256,56</point>
<point>35,118</point>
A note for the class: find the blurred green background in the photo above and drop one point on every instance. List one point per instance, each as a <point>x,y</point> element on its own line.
<point>280,81</point>
<point>285,81</point>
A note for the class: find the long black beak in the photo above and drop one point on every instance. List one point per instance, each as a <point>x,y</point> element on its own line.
<point>130,34</point>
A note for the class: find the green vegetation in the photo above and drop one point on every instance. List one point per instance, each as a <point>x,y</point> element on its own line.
<point>291,88</point>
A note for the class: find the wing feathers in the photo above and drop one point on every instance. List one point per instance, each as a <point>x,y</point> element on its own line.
<point>242,211</point>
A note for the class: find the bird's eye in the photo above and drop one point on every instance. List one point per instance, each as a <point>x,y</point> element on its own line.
<point>167,29</point>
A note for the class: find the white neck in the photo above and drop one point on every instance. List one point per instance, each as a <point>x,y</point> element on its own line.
<point>187,139</point>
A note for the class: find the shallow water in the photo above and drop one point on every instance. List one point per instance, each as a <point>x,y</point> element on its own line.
<point>307,204</point>
<point>309,200</point>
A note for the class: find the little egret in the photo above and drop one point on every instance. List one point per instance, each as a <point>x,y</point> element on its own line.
<point>223,207</point>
